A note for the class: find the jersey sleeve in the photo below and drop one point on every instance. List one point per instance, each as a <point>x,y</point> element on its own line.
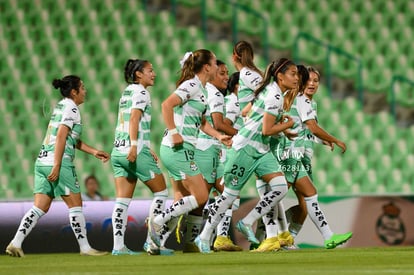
<point>273,103</point>
<point>140,99</point>
<point>70,116</point>
<point>305,109</point>
<point>215,101</point>
<point>251,78</point>
<point>186,90</point>
<point>232,108</point>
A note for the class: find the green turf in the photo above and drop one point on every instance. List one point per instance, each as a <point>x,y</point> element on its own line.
<point>399,260</point>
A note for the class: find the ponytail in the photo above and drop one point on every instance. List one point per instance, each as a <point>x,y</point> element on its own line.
<point>67,84</point>
<point>272,70</point>
<point>131,67</point>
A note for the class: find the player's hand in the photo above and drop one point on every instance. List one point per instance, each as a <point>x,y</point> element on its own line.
<point>103,156</point>
<point>177,140</point>
<point>288,120</point>
<point>132,155</point>
<point>226,140</point>
<point>54,174</point>
<point>329,144</point>
<point>341,145</point>
<point>289,134</point>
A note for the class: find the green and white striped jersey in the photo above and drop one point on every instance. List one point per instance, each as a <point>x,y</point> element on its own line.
<point>250,135</point>
<point>66,113</point>
<point>232,110</point>
<point>248,82</point>
<point>188,115</point>
<point>135,96</point>
<point>215,104</point>
<point>302,110</point>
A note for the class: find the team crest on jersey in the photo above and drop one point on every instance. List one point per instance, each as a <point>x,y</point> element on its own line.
<point>193,166</point>
<point>235,181</point>
<point>214,174</point>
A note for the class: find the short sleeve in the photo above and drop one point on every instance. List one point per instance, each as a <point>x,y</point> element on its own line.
<point>305,110</point>
<point>215,101</point>
<point>232,108</point>
<point>250,78</point>
<point>140,99</point>
<point>186,90</point>
<point>273,103</point>
<point>70,116</point>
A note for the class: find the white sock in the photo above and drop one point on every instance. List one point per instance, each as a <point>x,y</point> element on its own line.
<point>194,224</point>
<point>216,212</point>
<point>317,216</point>
<point>178,208</point>
<point>78,224</point>
<point>294,229</point>
<point>261,228</point>
<point>269,224</point>
<point>157,206</point>
<point>278,187</point>
<point>167,229</point>
<point>224,224</point>
<point>27,223</point>
<point>119,222</point>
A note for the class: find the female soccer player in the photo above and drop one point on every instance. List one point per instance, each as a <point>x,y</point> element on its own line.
<point>55,173</point>
<point>183,113</point>
<point>207,155</point>
<point>291,155</point>
<point>250,76</point>
<point>131,156</point>
<point>251,153</point>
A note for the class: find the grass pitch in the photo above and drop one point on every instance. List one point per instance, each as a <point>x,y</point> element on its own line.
<point>389,260</point>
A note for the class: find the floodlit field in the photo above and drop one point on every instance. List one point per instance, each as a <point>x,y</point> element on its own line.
<point>398,260</point>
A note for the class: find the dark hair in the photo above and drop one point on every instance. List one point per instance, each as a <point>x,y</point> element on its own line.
<point>244,55</point>
<point>131,67</point>
<point>66,84</point>
<point>272,70</point>
<point>91,177</point>
<point>194,64</point>
<point>219,62</point>
<point>233,81</point>
<point>303,79</point>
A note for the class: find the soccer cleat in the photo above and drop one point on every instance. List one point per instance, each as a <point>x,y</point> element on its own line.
<point>291,247</point>
<point>223,243</point>
<point>166,251</point>
<point>190,248</point>
<point>337,239</point>
<point>14,251</point>
<point>151,248</point>
<point>268,245</point>
<point>124,251</point>
<point>93,252</point>
<point>247,231</point>
<point>154,232</point>
<point>285,239</point>
<point>203,246</point>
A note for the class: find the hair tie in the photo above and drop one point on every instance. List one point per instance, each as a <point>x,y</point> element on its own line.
<point>283,64</point>
<point>186,56</point>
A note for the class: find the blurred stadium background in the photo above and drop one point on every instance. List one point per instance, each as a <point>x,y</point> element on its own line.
<point>362,49</point>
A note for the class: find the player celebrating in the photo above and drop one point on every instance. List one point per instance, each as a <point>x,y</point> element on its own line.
<point>183,113</point>
<point>251,153</point>
<point>132,157</point>
<point>55,173</point>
